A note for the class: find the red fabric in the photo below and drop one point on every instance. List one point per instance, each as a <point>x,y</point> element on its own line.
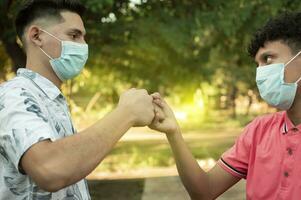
<point>268,155</point>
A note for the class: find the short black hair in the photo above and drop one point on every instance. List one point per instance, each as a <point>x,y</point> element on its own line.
<point>35,9</point>
<point>286,28</point>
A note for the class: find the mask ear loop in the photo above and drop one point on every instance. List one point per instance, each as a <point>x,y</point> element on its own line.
<point>54,38</point>
<point>291,61</point>
<point>46,54</point>
<point>298,80</point>
<point>293,58</point>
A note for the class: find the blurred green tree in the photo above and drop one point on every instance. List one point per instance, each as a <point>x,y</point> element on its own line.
<point>176,47</point>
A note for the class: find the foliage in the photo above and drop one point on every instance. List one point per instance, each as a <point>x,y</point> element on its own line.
<point>176,47</point>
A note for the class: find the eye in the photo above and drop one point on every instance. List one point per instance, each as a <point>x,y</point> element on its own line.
<point>74,36</point>
<point>267,59</point>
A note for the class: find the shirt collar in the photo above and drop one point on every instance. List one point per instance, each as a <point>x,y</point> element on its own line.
<point>45,85</point>
<point>288,125</point>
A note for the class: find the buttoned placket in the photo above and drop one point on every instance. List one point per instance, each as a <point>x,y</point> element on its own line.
<point>291,138</point>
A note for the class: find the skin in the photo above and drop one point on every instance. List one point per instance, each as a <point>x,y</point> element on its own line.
<point>198,183</point>
<point>46,162</point>
<point>279,52</point>
<point>71,29</point>
<point>211,184</point>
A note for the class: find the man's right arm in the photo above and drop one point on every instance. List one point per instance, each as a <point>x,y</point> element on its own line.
<point>55,165</point>
<point>198,183</point>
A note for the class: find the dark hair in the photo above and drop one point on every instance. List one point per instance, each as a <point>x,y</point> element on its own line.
<point>35,9</point>
<point>285,28</point>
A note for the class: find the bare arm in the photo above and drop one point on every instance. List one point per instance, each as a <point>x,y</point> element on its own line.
<point>198,183</point>
<point>55,165</point>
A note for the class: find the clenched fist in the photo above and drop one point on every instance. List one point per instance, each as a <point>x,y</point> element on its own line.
<point>165,120</point>
<point>138,105</point>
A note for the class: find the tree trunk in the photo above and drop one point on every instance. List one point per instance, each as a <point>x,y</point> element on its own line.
<point>8,36</point>
<point>15,53</point>
<point>250,102</point>
<point>233,95</point>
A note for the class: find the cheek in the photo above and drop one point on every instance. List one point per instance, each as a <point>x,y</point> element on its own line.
<point>298,93</point>
<point>292,73</point>
<point>53,49</point>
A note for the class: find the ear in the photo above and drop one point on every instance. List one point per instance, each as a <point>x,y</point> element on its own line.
<point>33,34</point>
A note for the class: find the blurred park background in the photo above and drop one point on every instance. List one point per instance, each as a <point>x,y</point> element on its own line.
<point>192,51</point>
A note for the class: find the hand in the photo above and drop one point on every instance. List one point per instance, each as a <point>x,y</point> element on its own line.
<point>167,123</point>
<point>138,105</point>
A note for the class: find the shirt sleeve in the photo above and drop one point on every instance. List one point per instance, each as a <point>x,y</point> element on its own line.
<point>22,124</point>
<point>236,159</point>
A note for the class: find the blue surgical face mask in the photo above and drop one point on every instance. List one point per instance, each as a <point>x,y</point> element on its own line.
<point>272,86</point>
<point>72,60</point>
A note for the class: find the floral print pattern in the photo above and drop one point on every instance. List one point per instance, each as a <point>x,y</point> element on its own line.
<point>32,109</point>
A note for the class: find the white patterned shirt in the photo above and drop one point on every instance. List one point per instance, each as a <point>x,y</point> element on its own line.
<point>32,109</point>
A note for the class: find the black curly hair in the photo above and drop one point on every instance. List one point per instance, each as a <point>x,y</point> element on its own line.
<point>32,10</point>
<point>285,28</point>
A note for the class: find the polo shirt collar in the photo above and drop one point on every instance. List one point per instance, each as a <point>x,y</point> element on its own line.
<point>45,85</point>
<point>288,124</point>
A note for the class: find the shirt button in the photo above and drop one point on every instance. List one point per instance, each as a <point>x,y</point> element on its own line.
<point>286,174</point>
<point>289,151</point>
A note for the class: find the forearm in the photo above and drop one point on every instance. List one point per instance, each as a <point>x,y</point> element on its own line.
<point>193,177</point>
<point>72,158</point>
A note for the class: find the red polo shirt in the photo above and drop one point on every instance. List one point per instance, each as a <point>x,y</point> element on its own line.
<point>268,155</point>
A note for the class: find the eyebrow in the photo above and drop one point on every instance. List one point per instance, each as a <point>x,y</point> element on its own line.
<point>261,57</point>
<point>77,31</point>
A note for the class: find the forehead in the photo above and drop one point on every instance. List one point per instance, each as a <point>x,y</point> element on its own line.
<point>70,21</point>
<point>273,47</point>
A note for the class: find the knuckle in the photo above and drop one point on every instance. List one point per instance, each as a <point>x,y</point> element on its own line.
<point>144,91</point>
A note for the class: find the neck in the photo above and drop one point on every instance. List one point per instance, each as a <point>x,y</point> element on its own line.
<point>294,112</point>
<point>43,69</point>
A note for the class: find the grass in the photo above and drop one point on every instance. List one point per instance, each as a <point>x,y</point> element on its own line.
<point>116,189</point>
<point>131,155</point>
<point>208,141</point>
<point>141,154</point>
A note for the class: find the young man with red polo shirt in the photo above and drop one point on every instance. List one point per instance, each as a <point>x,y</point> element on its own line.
<point>268,152</point>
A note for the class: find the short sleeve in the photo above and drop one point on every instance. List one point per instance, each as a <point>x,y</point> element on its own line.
<point>236,159</point>
<point>22,123</point>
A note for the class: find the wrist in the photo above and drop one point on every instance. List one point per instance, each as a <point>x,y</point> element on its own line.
<point>173,129</point>
<point>174,134</point>
<point>126,115</point>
